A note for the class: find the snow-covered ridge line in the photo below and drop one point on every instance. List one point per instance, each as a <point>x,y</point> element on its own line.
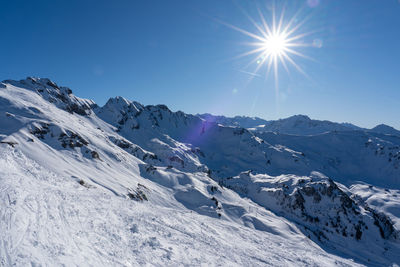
<point>188,142</point>
<point>177,163</point>
<point>62,97</point>
<point>294,125</point>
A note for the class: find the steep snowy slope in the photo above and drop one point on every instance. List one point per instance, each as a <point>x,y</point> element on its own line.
<point>49,219</point>
<point>381,199</point>
<point>188,142</point>
<point>326,211</point>
<point>127,184</point>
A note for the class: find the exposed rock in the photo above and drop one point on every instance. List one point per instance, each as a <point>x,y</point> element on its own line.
<point>316,203</point>
<point>138,194</point>
<point>61,96</point>
<point>95,155</point>
<point>72,140</point>
<point>10,143</point>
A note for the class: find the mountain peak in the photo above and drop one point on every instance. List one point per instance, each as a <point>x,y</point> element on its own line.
<point>237,121</point>
<point>120,100</point>
<point>120,103</point>
<point>34,83</point>
<point>60,96</point>
<point>383,126</point>
<point>298,117</point>
<point>304,125</point>
<point>385,129</point>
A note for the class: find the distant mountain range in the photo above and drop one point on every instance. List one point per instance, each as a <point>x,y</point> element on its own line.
<point>295,125</point>
<point>237,121</point>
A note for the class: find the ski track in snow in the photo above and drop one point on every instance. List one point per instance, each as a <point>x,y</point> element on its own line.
<point>69,171</point>
<point>48,220</point>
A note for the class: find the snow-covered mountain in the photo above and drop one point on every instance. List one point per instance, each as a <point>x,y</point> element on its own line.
<point>303,125</point>
<point>238,121</point>
<point>127,184</point>
<point>385,129</point>
<point>348,156</point>
<point>294,125</point>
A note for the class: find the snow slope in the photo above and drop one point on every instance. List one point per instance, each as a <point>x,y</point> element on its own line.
<point>294,125</point>
<point>237,121</point>
<point>306,200</point>
<point>127,185</point>
<point>297,124</point>
<point>348,156</point>
<point>303,125</point>
<point>385,129</point>
<point>188,142</point>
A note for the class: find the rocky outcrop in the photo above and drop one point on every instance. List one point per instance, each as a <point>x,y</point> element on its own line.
<point>324,209</point>
<point>60,96</point>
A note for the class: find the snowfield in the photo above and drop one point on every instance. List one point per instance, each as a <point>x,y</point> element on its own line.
<point>48,219</point>
<point>129,185</point>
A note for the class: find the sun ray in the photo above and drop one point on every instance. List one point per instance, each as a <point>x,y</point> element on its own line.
<point>280,20</point>
<point>283,63</point>
<point>291,21</point>
<point>300,36</point>
<point>255,36</point>
<point>264,23</point>
<point>294,52</point>
<point>298,68</point>
<point>251,52</point>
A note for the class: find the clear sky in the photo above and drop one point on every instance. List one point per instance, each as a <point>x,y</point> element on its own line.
<point>180,53</point>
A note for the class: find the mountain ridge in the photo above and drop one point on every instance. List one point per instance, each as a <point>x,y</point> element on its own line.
<point>288,125</point>
<point>149,158</point>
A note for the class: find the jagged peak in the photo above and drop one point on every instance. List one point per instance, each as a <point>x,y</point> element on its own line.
<point>120,100</point>
<point>298,117</point>
<point>60,96</point>
<point>42,84</point>
<point>247,117</point>
<point>163,107</point>
<point>43,81</point>
<point>121,103</point>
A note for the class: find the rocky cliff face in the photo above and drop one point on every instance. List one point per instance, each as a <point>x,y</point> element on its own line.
<point>327,212</point>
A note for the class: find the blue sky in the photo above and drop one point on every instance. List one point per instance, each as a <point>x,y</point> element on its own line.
<point>178,53</point>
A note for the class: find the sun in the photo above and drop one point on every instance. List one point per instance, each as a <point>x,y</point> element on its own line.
<point>275,42</point>
<point>275,45</point>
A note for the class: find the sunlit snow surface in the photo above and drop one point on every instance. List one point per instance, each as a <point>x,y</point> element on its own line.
<point>51,220</point>
<point>129,185</point>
